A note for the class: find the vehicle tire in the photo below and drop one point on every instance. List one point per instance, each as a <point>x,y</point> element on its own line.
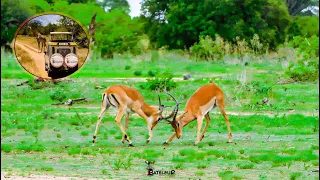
<point>73,70</point>
<point>54,73</point>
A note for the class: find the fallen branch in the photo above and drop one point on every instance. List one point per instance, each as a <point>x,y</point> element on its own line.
<point>23,83</point>
<point>99,87</point>
<point>70,101</point>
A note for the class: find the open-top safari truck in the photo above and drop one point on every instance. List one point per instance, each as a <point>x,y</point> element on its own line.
<point>61,57</point>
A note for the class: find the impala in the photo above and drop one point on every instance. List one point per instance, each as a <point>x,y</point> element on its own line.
<point>197,108</point>
<point>128,100</point>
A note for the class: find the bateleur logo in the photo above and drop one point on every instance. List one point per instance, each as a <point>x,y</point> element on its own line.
<point>152,172</point>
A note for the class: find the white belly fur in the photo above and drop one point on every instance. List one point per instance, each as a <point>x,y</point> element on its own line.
<point>207,107</point>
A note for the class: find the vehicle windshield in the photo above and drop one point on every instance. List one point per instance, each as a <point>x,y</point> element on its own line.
<point>61,37</point>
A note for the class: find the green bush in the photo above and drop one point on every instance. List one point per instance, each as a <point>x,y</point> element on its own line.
<point>307,67</point>
<point>304,70</point>
<point>305,26</point>
<point>307,47</point>
<point>127,67</point>
<point>152,73</point>
<point>137,73</point>
<point>160,83</point>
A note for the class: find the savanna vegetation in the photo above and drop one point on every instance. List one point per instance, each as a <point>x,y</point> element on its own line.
<point>264,54</point>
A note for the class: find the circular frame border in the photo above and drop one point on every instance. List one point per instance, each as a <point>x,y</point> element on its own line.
<point>47,13</point>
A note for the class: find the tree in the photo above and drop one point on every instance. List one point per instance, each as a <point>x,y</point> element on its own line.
<point>296,6</point>
<point>115,4</point>
<point>78,33</point>
<point>13,14</point>
<point>116,32</point>
<point>180,23</point>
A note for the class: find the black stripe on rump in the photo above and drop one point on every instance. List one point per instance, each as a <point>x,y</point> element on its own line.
<point>115,99</point>
<point>108,98</point>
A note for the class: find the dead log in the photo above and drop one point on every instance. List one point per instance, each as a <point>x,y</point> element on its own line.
<point>69,102</point>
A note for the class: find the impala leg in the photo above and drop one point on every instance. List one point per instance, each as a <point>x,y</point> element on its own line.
<point>103,111</point>
<point>125,126</point>
<point>199,125</point>
<point>118,121</point>
<point>228,124</point>
<point>141,113</point>
<point>207,124</point>
<point>170,139</point>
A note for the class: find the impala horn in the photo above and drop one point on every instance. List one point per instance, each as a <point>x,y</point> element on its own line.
<point>161,107</point>
<point>174,112</point>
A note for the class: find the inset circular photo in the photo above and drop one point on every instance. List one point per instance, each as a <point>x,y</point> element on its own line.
<point>51,46</point>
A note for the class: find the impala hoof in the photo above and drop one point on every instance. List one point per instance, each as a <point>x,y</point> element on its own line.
<point>166,143</point>
<point>229,142</point>
<point>147,141</point>
<point>131,145</point>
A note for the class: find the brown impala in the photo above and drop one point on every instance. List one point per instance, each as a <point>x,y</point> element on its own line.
<point>197,108</point>
<point>128,100</point>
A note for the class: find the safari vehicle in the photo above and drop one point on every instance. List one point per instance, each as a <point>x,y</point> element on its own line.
<point>61,57</point>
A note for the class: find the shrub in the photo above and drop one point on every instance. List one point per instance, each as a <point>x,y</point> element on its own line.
<point>137,73</point>
<point>152,73</point>
<point>160,83</point>
<point>302,72</point>
<point>143,43</point>
<point>305,26</point>
<point>315,147</point>
<point>127,67</point>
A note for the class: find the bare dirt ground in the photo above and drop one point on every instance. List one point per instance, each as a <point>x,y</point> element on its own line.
<point>38,59</point>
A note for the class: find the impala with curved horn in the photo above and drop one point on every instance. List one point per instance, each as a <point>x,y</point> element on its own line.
<point>128,100</point>
<point>197,108</point>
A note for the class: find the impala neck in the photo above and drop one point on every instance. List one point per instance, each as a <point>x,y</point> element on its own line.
<point>148,110</point>
<point>186,119</point>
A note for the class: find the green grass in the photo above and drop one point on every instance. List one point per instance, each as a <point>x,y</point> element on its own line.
<point>295,175</point>
<point>245,165</point>
<point>200,173</point>
<point>40,138</point>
